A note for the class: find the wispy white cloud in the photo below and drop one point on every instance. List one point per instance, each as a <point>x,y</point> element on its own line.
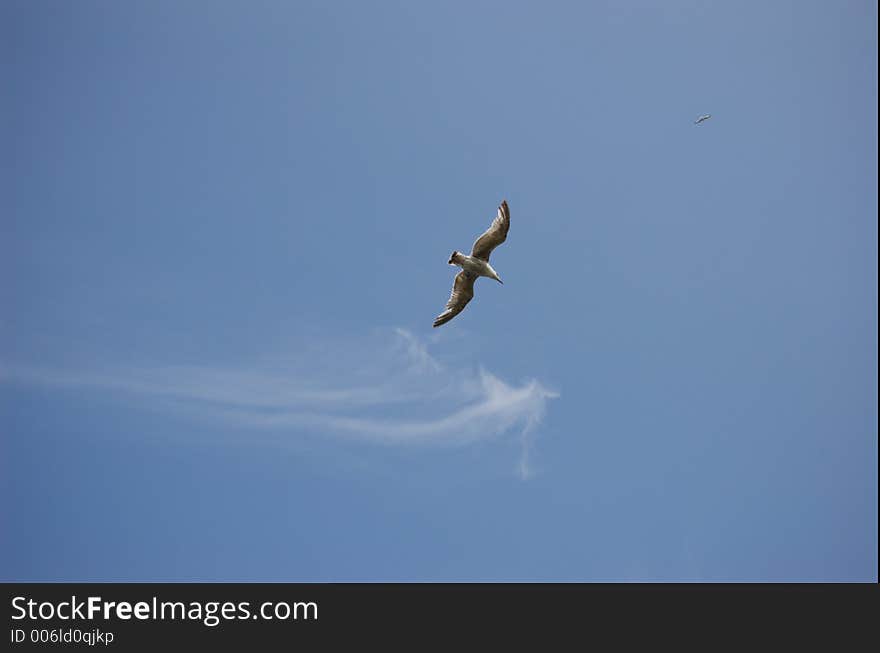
<point>389,391</point>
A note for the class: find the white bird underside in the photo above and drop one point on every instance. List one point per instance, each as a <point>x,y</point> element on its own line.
<point>476,265</point>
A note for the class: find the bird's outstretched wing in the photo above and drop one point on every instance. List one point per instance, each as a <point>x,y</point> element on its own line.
<point>702,118</point>
<point>494,235</point>
<point>462,293</point>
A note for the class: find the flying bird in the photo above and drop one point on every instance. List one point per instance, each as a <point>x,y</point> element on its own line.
<point>475,265</point>
<point>702,118</point>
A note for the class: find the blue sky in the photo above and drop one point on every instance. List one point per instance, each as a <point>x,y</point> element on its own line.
<point>224,237</point>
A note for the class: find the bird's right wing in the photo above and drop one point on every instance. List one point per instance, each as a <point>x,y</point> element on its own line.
<point>494,235</point>
<point>462,293</point>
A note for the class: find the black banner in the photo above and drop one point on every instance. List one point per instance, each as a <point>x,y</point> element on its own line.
<point>133,616</point>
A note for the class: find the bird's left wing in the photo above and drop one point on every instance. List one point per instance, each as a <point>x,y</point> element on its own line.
<point>494,235</point>
<point>462,293</point>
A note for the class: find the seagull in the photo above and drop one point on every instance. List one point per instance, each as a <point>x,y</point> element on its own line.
<point>702,118</point>
<point>475,265</point>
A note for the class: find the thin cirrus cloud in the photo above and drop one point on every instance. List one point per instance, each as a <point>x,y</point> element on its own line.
<point>394,393</point>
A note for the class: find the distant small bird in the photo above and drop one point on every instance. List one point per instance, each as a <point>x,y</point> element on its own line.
<point>475,265</point>
<point>702,118</point>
